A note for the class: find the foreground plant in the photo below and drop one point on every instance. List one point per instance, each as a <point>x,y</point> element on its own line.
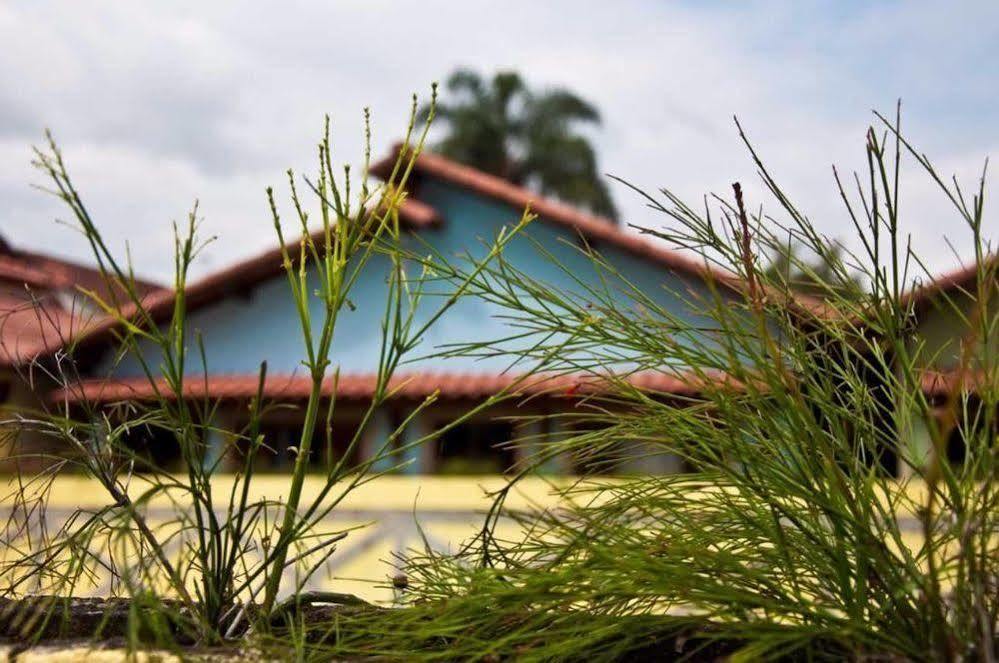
<point>790,535</point>
<point>219,563</point>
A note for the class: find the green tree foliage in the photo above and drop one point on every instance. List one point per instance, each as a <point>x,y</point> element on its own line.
<point>528,137</point>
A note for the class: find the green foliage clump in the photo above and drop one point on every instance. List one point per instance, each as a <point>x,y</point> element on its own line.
<point>216,564</point>
<point>821,516</point>
<point>815,520</point>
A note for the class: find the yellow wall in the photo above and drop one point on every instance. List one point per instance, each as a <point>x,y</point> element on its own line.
<point>389,513</point>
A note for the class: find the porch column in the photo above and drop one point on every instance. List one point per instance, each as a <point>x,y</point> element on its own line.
<point>373,444</point>
<point>214,448</point>
<point>538,434</point>
<point>561,463</point>
<point>423,457</point>
<point>531,437</point>
<point>217,442</point>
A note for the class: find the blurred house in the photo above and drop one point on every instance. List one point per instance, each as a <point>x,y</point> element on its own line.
<point>954,334</point>
<point>41,310</point>
<point>245,315</point>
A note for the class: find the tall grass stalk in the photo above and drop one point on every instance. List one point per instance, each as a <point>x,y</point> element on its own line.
<point>226,558</point>
<point>811,521</point>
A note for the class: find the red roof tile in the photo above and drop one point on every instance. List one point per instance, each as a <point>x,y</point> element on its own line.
<point>592,227</point>
<point>16,271</point>
<point>69,274</point>
<point>361,386</point>
<point>40,309</point>
<point>33,325</point>
<point>962,278</point>
<point>244,274</point>
<point>945,383</point>
<point>419,215</point>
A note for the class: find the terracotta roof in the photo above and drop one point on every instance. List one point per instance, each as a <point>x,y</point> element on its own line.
<point>17,271</point>
<point>361,386</point>
<point>68,273</point>
<point>39,307</point>
<point>418,215</point>
<point>962,278</point>
<point>598,229</point>
<point>244,274</point>
<point>33,325</point>
<point>945,383</point>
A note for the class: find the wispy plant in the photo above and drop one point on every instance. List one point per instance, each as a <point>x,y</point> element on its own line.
<point>223,561</point>
<point>811,521</point>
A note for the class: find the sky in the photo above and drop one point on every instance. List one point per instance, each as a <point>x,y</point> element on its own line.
<point>158,104</point>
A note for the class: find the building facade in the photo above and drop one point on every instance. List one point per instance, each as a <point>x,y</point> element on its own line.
<point>244,315</point>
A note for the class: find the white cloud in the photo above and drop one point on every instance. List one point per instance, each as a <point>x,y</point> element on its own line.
<point>157,105</point>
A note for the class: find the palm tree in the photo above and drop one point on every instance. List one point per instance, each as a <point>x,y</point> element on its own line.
<point>528,138</point>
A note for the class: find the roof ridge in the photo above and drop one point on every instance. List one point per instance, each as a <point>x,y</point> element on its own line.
<point>456,384</point>
<point>245,273</point>
<point>65,267</point>
<point>958,277</point>
<point>594,226</point>
<point>14,268</point>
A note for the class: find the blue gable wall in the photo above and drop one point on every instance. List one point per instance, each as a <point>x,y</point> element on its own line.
<point>240,332</point>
